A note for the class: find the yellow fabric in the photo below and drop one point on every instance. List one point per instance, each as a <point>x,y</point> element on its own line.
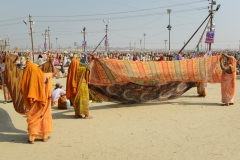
<point>201,88</point>
<point>81,100</point>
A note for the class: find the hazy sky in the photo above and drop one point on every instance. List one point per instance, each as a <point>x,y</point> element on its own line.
<point>129,20</point>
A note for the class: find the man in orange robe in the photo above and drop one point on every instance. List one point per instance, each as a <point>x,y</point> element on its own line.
<point>228,82</point>
<point>36,89</point>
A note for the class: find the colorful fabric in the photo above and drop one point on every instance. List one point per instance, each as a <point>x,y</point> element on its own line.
<point>111,71</point>
<point>228,82</point>
<point>134,93</point>
<point>81,99</point>
<point>95,97</point>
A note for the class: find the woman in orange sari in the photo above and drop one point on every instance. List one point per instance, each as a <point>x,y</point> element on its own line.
<point>228,79</point>
<point>36,89</point>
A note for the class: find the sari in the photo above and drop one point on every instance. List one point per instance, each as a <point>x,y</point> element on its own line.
<point>36,89</point>
<point>228,82</point>
<point>81,99</point>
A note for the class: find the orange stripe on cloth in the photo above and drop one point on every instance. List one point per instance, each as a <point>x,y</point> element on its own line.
<point>135,70</point>
<point>196,69</point>
<point>124,70</point>
<point>216,71</point>
<point>208,69</point>
<point>141,70</point>
<point>184,70</point>
<point>190,71</point>
<point>159,69</point>
<point>172,70</point>
<point>166,70</point>
<point>107,71</point>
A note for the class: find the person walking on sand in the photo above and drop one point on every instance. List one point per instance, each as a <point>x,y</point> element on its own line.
<point>36,89</point>
<point>77,89</point>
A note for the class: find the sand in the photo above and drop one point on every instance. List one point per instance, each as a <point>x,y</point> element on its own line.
<point>185,128</point>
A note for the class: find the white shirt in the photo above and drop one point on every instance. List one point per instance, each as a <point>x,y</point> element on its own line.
<point>57,93</point>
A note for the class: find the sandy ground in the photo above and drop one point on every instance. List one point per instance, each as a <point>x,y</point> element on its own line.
<point>186,128</point>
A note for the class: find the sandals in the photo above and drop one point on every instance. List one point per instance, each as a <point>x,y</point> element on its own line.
<point>31,142</point>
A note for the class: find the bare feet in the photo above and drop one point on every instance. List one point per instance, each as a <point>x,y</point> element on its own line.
<point>225,104</point>
<point>88,117</point>
<point>45,140</point>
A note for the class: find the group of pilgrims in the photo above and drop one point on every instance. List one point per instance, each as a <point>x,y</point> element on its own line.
<point>39,95</point>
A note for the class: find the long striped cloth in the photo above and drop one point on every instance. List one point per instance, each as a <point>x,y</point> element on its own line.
<point>111,71</point>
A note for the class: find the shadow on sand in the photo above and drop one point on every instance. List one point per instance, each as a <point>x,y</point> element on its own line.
<point>64,114</point>
<point>8,133</point>
<point>117,105</point>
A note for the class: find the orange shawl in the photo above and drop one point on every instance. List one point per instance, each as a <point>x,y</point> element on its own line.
<point>32,85</point>
<point>71,86</point>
